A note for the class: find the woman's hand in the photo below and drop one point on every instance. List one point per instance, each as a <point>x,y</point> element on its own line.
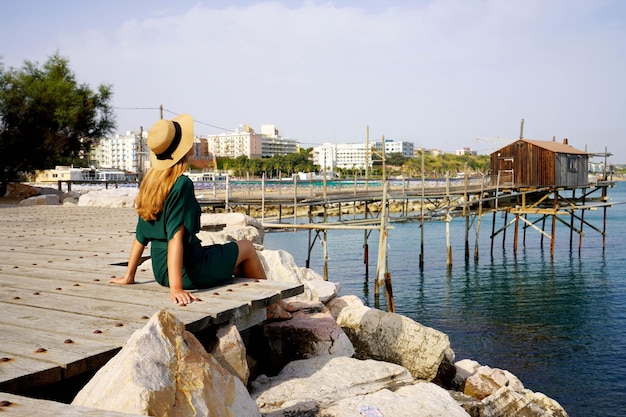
<point>182,297</point>
<point>122,280</point>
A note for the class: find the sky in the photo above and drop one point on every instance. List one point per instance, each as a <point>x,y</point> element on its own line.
<point>443,74</point>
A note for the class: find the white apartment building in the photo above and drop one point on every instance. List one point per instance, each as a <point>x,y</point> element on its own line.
<point>244,141</point>
<point>391,146</point>
<point>344,155</point>
<point>273,144</point>
<point>126,153</point>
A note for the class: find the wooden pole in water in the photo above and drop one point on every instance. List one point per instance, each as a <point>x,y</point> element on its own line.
<point>480,214</point>
<point>382,244</point>
<point>421,257</point>
<point>448,245</point>
<point>495,211</point>
<point>582,222</point>
<point>604,199</point>
<point>515,234</point>
<point>571,223</point>
<point>556,203</point>
<point>466,214</point>
<point>325,247</point>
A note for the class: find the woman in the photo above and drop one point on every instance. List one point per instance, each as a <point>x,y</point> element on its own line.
<point>169,218</point>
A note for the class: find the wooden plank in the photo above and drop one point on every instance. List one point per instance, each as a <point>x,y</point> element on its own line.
<point>17,373</point>
<point>75,356</point>
<point>19,406</point>
<point>117,302</point>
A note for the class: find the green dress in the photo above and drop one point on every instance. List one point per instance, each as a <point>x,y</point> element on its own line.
<point>203,266</point>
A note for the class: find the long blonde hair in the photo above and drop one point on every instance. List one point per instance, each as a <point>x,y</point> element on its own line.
<point>155,187</point>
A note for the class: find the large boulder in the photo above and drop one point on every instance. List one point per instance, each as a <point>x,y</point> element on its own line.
<point>305,386</point>
<point>230,227</point>
<point>311,332</point>
<point>114,197</point>
<point>397,339</point>
<point>486,380</point>
<point>41,200</point>
<point>508,402</point>
<point>280,265</point>
<point>231,353</point>
<point>421,399</point>
<point>163,370</point>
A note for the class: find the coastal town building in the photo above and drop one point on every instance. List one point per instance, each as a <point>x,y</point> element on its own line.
<point>392,146</point>
<point>244,141</point>
<point>272,144</point>
<point>124,152</point>
<point>342,155</point>
<point>69,173</point>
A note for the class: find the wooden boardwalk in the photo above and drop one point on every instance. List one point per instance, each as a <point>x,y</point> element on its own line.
<point>59,316</point>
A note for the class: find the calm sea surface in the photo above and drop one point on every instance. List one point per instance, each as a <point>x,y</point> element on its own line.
<point>559,324</point>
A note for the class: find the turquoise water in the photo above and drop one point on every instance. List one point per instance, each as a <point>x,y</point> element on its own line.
<point>559,323</point>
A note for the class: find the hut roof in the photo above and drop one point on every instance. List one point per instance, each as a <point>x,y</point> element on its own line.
<point>553,146</point>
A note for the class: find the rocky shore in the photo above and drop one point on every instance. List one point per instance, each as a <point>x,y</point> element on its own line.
<point>335,358</point>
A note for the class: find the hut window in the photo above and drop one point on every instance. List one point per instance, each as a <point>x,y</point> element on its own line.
<point>572,163</point>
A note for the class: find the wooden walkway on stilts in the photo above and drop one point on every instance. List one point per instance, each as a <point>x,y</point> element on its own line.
<point>60,318</point>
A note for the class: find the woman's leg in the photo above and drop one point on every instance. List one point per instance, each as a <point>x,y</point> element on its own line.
<point>248,264</point>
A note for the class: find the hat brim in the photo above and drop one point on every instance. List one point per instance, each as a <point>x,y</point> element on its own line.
<point>186,142</point>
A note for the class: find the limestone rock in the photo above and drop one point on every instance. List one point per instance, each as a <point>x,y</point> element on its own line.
<point>485,381</point>
<point>318,289</point>
<point>229,219</point>
<point>115,197</point>
<point>230,352</point>
<point>397,339</point>
<point>508,402</point>
<point>337,304</point>
<point>418,400</point>
<point>280,266</point>
<point>163,370</point>
<point>311,332</point>
<point>464,369</point>
<point>234,226</point>
<point>41,200</point>
<point>322,381</point>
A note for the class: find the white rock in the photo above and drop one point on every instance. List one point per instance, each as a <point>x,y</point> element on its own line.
<point>323,291</point>
<point>507,402</point>
<point>230,352</point>
<point>422,399</point>
<point>486,380</point>
<point>464,369</point>
<point>164,371</point>
<point>321,381</point>
<point>337,304</point>
<point>41,200</point>
<point>114,197</point>
<point>397,339</point>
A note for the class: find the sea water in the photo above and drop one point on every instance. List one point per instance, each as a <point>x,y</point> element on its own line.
<point>557,322</point>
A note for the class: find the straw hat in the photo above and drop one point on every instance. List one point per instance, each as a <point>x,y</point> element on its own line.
<point>170,140</point>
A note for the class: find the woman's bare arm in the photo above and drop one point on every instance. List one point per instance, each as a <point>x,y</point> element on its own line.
<point>136,251</point>
<point>175,269</point>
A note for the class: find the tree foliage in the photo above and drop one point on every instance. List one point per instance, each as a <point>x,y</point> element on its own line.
<point>272,167</point>
<point>47,118</point>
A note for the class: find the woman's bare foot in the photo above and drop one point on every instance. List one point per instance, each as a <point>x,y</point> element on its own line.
<point>276,313</point>
<point>287,307</point>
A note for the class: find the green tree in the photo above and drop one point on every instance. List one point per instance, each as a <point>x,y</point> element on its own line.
<point>47,118</point>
